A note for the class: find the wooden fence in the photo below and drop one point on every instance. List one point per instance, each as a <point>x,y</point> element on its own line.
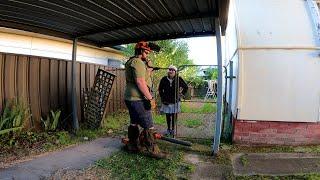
<point>45,84</point>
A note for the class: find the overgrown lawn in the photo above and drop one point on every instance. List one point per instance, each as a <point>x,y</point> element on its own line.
<point>201,108</point>
<point>123,165</point>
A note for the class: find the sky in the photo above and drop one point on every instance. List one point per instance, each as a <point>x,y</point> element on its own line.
<point>202,50</point>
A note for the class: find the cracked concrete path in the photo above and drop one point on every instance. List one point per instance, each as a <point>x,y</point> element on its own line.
<point>275,163</point>
<point>206,170</point>
<point>76,157</point>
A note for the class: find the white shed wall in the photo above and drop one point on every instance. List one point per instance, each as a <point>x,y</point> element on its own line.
<point>232,54</point>
<point>279,63</point>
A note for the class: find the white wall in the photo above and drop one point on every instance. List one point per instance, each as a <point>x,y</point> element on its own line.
<point>279,64</point>
<point>232,54</point>
<point>19,42</point>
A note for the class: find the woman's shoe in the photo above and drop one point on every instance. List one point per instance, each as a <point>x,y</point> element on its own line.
<point>172,132</point>
<point>167,133</point>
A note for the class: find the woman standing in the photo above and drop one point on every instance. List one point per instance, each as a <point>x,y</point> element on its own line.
<point>170,97</point>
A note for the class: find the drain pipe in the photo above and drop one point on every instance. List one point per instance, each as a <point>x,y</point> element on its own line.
<point>218,123</point>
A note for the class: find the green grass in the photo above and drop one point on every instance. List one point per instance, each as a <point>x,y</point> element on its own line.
<point>205,108</point>
<point>192,123</point>
<point>123,165</point>
<point>116,121</point>
<point>244,160</point>
<point>159,119</point>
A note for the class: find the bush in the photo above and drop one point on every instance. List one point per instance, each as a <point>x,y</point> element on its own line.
<point>51,123</point>
<point>14,114</point>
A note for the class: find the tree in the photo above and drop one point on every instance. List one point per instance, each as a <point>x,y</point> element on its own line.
<point>211,73</point>
<point>173,52</point>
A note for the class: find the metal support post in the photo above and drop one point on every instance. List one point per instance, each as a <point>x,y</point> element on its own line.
<point>218,124</point>
<point>75,122</point>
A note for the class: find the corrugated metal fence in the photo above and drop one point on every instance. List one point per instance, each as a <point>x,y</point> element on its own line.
<point>45,84</point>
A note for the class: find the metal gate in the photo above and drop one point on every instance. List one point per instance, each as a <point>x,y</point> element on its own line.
<point>197,107</point>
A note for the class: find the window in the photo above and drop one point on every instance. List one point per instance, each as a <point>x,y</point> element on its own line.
<point>115,63</point>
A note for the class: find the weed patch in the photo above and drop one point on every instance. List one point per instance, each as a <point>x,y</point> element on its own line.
<point>204,108</point>
<point>192,123</point>
<point>116,121</point>
<point>244,160</point>
<point>159,119</point>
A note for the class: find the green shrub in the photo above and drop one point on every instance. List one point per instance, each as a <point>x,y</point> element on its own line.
<point>63,137</point>
<point>51,123</point>
<point>14,114</point>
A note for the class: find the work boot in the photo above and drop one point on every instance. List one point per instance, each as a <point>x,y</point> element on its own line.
<point>149,146</point>
<point>133,135</point>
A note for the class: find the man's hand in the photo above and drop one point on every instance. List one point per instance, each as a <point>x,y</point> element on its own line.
<point>153,104</point>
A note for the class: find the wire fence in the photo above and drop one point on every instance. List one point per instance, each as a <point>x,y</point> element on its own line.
<point>197,108</point>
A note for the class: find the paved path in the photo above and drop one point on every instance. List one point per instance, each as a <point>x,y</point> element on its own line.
<point>77,157</point>
<point>275,163</point>
<point>206,170</point>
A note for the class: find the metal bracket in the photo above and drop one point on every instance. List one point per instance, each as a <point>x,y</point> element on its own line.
<point>231,77</point>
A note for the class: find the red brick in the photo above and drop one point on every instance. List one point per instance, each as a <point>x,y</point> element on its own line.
<point>301,131</point>
<point>261,135</point>
<point>236,138</point>
<point>287,130</point>
<point>268,131</point>
<point>278,125</point>
<point>282,133</point>
<point>243,134</point>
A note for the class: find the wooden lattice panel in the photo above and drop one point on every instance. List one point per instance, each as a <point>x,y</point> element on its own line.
<point>96,98</point>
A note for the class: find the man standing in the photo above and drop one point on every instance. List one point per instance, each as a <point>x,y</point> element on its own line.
<point>138,101</point>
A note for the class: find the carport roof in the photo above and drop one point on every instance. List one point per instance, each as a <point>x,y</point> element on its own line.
<point>113,22</point>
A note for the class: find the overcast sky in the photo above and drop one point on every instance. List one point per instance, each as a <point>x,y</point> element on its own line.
<point>202,50</point>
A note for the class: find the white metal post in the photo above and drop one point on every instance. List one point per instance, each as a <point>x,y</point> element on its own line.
<point>75,122</point>
<point>218,124</point>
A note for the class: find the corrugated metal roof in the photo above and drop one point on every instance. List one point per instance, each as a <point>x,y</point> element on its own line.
<point>113,22</point>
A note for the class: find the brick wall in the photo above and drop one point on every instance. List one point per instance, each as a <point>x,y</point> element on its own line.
<point>275,133</point>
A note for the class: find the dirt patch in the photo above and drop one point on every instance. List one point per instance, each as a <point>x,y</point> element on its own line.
<point>92,173</point>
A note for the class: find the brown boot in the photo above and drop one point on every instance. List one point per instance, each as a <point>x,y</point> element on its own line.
<point>149,146</point>
<point>133,135</point>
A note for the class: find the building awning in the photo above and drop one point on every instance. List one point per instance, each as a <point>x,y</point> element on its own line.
<point>114,22</point>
